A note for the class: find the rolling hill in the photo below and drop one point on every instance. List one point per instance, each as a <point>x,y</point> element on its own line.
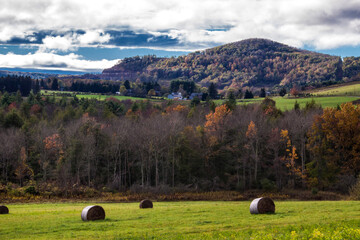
<point>248,63</point>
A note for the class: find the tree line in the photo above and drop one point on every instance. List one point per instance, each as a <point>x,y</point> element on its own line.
<point>120,145</point>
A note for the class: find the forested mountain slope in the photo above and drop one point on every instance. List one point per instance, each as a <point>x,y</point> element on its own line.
<point>251,62</point>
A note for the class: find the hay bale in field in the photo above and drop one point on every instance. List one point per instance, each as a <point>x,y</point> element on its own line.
<point>4,209</point>
<point>91,213</point>
<point>262,205</point>
<point>146,203</point>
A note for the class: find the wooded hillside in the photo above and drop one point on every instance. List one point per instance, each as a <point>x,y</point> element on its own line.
<point>247,63</point>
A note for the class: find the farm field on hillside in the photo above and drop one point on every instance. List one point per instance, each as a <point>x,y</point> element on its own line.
<point>284,103</point>
<point>288,103</point>
<point>184,220</point>
<point>338,90</point>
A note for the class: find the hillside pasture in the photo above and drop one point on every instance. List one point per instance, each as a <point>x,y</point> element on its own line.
<point>345,89</point>
<point>184,220</point>
<point>284,103</point>
<point>288,103</point>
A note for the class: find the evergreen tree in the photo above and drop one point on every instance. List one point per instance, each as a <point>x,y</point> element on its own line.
<point>42,84</point>
<point>262,93</point>
<point>13,119</point>
<point>296,106</point>
<point>231,102</point>
<point>127,84</point>
<point>212,91</point>
<point>204,96</point>
<point>248,94</point>
<point>282,92</point>
<point>195,101</point>
<point>55,84</point>
<point>240,93</point>
<point>37,87</point>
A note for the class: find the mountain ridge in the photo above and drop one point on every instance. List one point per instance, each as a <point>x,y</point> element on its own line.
<point>251,62</point>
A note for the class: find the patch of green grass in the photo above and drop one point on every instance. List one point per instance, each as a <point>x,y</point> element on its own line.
<point>104,97</point>
<point>284,103</point>
<point>99,97</point>
<point>288,103</point>
<point>184,220</point>
<point>338,90</point>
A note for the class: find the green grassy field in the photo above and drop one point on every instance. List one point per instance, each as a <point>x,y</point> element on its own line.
<point>103,97</point>
<point>284,103</point>
<point>349,89</point>
<point>184,220</point>
<point>288,103</point>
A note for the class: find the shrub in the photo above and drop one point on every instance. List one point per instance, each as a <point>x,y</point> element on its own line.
<point>314,191</point>
<point>355,190</point>
<point>31,190</point>
<point>267,184</point>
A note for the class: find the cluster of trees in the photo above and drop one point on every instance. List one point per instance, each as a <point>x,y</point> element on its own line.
<point>249,63</point>
<point>122,145</point>
<point>24,85</point>
<point>94,87</point>
<point>187,86</point>
<point>351,66</point>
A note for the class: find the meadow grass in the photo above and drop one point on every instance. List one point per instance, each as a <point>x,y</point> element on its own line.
<point>284,103</point>
<point>184,220</point>
<point>104,97</point>
<point>288,103</point>
<point>349,89</point>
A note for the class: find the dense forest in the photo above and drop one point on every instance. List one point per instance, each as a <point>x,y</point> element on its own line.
<point>60,145</point>
<point>248,63</point>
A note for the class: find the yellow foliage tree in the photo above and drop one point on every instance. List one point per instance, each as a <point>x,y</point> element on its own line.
<point>251,134</point>
<point>216,119</point>
<point>23,170</point>
<point>334,141</point>
<point>290,158</point>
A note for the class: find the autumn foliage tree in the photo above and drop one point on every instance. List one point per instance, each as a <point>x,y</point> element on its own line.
<point>252,136</point>
<point>334,140</point>
<point>23,170</point>
<point>215,120</point>
<point>290,159</point>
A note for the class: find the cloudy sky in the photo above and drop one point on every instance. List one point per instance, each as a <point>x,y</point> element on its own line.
<point>87,35</point>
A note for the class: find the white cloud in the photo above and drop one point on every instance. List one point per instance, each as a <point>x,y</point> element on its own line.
<point>72,41</point>
<point>58,43</point>
<point>320,23</point>
<point>91,37</point>
<point>42,60</point>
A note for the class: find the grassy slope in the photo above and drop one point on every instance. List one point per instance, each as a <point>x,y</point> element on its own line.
<point>183,220</point>
<point>288,104</point>
<point>281,102</point>
<point>284,103</point>
<point>345,89</point>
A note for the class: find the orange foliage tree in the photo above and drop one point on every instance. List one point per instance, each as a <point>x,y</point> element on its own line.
<point>290,159</point>
<point>53,152</point>
<point>23,170</point>
<point>253,144</point>
<point>334,141</point>
<point>216,119</point>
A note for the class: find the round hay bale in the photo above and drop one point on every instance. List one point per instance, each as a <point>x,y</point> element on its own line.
<point>4,209</point>
<point>92,213</point>
<point>146,204</point>
<point>262,205</point>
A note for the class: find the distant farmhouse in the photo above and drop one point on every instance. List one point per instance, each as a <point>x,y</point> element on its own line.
<point>178,96</point>
<point>175,96</point>
<point>199,95</point>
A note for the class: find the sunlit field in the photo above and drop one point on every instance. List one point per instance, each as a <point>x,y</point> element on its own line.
<point>338,90</point>
<point>184,220</point>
